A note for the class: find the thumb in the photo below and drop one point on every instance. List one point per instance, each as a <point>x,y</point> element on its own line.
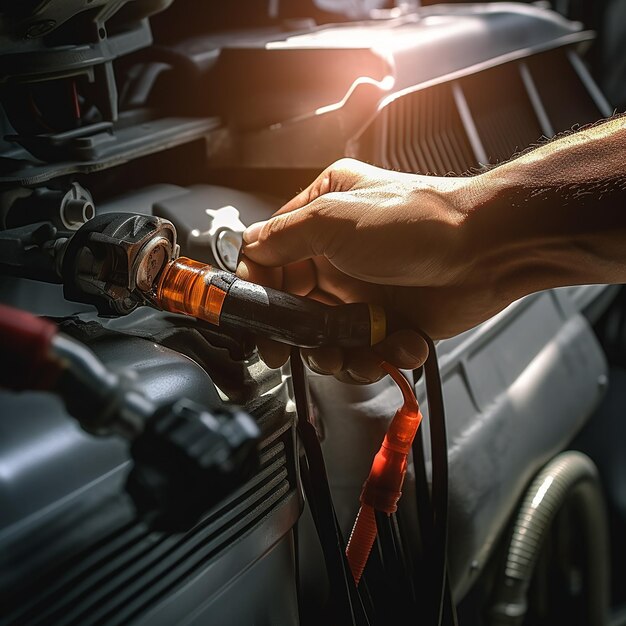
<point>287,238</point>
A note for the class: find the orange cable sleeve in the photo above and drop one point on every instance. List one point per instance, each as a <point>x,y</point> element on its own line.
<point>383,487</point>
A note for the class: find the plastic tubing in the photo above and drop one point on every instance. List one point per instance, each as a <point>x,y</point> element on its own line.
<point>383,487</point>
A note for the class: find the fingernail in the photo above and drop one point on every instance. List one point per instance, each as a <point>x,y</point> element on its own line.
<point>314,366</point>
<point>410,358</point>
<point>242,270</point>
<point>358,378</point>
<point>251,234</point>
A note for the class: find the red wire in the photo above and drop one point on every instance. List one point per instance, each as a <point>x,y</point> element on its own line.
<point>410,401</point>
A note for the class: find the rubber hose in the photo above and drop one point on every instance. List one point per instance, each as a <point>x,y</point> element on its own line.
<point>569,477</point>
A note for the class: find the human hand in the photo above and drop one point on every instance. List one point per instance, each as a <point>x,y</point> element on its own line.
<point>360,233</point>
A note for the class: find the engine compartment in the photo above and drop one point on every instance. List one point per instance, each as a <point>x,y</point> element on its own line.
<point>211,118</point>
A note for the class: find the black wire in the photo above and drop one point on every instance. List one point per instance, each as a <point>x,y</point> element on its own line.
<point>439,492</point>
<point>346,604</point>
<point>401,569</point>
<point>386,575</point>
<point>405,565</point>
<point>424,555</point>
<point>431,585</point>
<point>393,559</point>
<point>406,556</point>
<point>432,512</point>
<point>424,510</point>
<point>449,616</point>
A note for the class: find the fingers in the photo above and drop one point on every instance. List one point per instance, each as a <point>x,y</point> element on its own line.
<point>299,230</point>
<point>317,188</point>
<point>323,360</point>
<point>260,274</point>
<point>272,353</point>
<point>292,251</point>
<point>361,366</point>
<point>284,239</point>
<point>404,349</point>
<point>340,176</point>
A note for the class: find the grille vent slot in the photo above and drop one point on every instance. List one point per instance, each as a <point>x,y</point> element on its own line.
<point>124,572</point>
<point>502,112</point>
<point>555,79</point>
<point>424,131</point>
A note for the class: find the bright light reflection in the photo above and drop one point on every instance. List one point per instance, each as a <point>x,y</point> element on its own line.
<point>386,36</point>
<point>542,492</point>
<point>353,37</point>
<point>385,84</point>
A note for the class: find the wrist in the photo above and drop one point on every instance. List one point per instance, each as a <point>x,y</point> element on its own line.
<point>502,239</point>
<point>480,240</point>
<point>523,236</point>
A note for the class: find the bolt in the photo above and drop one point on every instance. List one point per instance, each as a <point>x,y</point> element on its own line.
<point>77,212</point>
<point>76,208</point>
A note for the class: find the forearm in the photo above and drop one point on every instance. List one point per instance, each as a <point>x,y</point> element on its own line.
<point>554,216</point>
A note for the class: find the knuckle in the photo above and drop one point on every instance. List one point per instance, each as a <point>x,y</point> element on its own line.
<point>344,164</point>
<point>317,214</point>
<point>326,206</point>
<point>347,173</point>
<point>273,227</point>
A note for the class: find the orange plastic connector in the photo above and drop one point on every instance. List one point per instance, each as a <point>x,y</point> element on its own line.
<point>185,287</point>
<point>383,487</point>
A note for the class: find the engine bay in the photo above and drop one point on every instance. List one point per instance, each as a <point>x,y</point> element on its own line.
<point>139,130</point>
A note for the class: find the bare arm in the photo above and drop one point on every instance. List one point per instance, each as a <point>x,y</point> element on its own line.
<point>449,252</point>
<point>556,215</point>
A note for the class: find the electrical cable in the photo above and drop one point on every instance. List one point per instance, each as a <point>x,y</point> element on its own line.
<point>383,487</point>
<point>421,581</point>
<point>442,606</point>
<point>397,579</point>
<point>345,601</point>
<point>439,454</point>
<point>386,578</point>
<point>390,553</point>
<point>408,561</point>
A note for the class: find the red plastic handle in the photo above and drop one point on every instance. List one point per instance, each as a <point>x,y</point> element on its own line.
<point>25,345</point>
